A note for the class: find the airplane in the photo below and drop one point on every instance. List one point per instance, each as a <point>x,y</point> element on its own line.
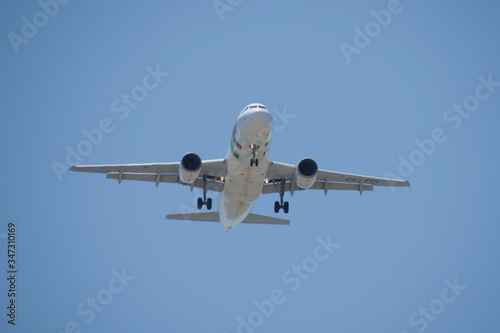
<point>242,176</point>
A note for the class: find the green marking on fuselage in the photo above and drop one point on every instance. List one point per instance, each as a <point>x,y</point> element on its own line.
<point>233,148</point>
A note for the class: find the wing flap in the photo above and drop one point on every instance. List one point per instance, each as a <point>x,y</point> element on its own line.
<point>212,184</point>
<point>318,185</point>
<point>146,177</point>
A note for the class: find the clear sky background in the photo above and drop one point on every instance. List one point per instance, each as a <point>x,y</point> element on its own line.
<point>383,106</point>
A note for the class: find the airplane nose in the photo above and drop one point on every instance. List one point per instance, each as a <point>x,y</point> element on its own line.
<point>262,118</point>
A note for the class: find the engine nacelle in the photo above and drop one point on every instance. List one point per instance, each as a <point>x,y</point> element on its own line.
<point>189,168</point>
<point>306,172</point>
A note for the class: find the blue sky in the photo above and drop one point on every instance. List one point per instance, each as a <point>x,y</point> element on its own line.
<point>407,88</point>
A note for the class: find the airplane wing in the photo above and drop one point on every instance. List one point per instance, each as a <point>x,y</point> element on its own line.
<point>325,180</point>
<point>211,170</point>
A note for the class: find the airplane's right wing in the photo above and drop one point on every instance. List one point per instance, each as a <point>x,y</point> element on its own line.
<point>211,172</point>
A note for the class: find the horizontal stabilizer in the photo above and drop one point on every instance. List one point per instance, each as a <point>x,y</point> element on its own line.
<point>214,217</point>
<point>261,219</point>
<point>203,216</point>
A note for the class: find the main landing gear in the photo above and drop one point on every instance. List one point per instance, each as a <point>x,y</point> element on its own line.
<point>207,202</point>
<point>280,204</point>
<point>254,160</point>
<point>204,201</point>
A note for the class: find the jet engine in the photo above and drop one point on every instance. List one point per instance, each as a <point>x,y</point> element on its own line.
<point>189,168</point>
<point>305,173</point>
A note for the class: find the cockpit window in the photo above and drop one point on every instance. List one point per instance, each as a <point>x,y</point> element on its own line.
<point>254,107</point>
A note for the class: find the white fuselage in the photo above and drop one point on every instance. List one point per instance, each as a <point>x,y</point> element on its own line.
<point>244,180</point>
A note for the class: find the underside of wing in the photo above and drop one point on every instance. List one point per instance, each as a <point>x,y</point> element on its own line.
<point>209,175</point>
<point>151,168</point>
<point>281,177</point>
<point>332,176</point>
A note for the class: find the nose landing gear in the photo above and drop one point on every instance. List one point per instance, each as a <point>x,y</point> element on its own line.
<point>254,160</point>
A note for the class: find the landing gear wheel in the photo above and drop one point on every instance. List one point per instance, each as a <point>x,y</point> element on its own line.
<point>276,207</point>
<point>254,159</point>
<point>204,200</point>
<point>285,207</point>
<point>280,204</point>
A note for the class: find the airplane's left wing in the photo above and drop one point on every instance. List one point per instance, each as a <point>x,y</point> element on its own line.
<point>281,174</point>
<point>211,172</point>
